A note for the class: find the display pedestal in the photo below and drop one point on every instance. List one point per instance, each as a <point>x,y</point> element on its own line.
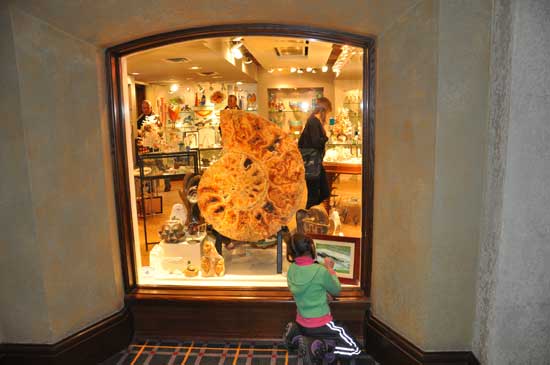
<point>175,256</point>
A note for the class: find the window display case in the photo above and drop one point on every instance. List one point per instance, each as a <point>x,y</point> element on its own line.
<point>289,108</point>
<point>154,167</point>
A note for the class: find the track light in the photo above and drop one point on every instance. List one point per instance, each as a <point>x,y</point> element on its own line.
<point>236,52</point>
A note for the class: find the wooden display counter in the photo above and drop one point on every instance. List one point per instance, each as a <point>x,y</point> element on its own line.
<point>342,168</point>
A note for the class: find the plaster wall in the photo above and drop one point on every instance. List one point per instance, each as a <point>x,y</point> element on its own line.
<point>463,54</point>
<point>23,297</point>
<point>69,198</point>
<point>59,64</point>
<point>497,136</point>
<point>404,170</point>
<point>516,318</point>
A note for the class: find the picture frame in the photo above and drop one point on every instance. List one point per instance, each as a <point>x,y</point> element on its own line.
<point>344,251</point>
<point>191,139</point>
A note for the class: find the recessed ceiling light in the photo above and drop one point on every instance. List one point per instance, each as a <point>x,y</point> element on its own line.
<point>239,83</point>
<point>195,68</point>
<point>134,73</point>
<point>280,69</point>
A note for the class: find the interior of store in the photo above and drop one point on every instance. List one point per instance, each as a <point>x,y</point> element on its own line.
<point>186,86</point>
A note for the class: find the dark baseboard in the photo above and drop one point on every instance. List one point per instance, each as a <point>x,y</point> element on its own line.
<point>87,347</point>
<point>390,348</point>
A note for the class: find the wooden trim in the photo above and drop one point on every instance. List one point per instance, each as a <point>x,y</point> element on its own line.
<point>199,316</point>
<point>388,347</point>
<point>369,91</point>
<point>120,170</point>
<point>88,346</point>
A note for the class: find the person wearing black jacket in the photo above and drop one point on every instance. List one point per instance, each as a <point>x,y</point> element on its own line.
<point>314,136</point>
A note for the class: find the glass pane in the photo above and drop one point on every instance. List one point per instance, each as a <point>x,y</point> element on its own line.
<point>175,138</point>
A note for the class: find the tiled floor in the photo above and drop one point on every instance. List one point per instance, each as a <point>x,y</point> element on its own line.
<point>174,352</point>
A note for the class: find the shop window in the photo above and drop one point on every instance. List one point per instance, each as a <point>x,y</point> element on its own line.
<point>188,105</point>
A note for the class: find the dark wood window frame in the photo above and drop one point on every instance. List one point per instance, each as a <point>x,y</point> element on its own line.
<point>121,175</point>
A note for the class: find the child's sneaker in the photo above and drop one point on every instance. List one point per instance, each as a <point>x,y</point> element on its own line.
<point>312,351</point>
<point>290,336</point>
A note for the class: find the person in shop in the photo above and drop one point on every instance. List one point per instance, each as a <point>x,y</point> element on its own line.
<point>314,136</point>
<point>148,114</point>
<point>232,102</point>
<point>314,332</point>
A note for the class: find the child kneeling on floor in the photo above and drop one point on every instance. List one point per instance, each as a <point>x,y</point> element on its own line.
<point>314,332</point>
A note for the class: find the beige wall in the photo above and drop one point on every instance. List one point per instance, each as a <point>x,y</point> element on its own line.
<point>462,109</point>
<point>58,68</point>
<point>404,167</point>
<point>65,238</point>
<point>22,302</point>
<point>430,139</point>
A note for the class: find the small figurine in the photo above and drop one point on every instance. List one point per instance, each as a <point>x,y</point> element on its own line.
<point>212,263</point>
<point>172,231</point>
<point>191,270</point>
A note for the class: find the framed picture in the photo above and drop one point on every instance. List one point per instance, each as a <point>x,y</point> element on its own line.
<point>344,251</point>
<point>191,139</point>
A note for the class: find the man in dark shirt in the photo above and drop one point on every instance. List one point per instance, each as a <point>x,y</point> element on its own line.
<point>146,111</point>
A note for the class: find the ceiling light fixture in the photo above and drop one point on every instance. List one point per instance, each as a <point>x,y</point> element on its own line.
<point>134,73</point>
<point>174,88</point>
<point>236,52</point>
<point>300,71</point>
<point>293,69</point>
<point>280,69</point>
<point>309,69</point>
<point>239,83</point>
<point>195,68</point>
<point>270,70</point>
<point>324,68</point>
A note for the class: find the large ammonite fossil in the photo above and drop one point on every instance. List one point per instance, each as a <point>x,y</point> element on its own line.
<point>257,185</point>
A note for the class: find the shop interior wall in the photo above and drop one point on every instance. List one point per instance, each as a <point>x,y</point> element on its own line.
<point>273,80</point>
<point>405,136</point>
<point>66,225</point>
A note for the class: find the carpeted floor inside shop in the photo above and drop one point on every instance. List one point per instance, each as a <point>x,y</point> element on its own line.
<point>174,352</point>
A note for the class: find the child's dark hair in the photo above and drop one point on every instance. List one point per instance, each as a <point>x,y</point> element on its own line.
<point>298,245</point>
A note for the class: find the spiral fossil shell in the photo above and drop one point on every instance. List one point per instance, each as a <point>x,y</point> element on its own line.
<point>256,186</point>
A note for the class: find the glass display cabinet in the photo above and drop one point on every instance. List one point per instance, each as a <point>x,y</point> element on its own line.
<point>153,167</point>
